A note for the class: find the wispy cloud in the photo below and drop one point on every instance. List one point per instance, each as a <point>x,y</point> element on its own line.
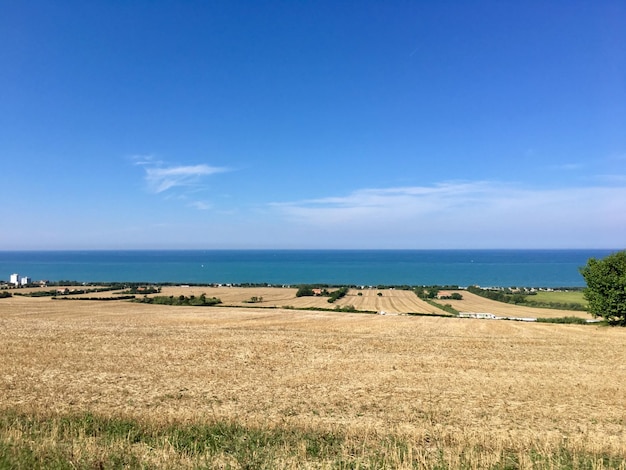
<point>176,181</point>
<point>391,203</point>
<point>145,160</point>
<point>451,213</point>
<point>163,178</point>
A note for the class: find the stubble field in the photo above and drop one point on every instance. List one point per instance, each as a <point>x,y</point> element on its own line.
<point>372,300</point>
<point>475,303</point>
<point>90,384</point>
<point>393,301</point>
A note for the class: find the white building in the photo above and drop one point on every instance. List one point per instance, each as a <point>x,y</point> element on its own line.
<point>25,280</point>
<point>15,279</point>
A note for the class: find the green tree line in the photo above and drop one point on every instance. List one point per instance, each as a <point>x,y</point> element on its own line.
<point>200,301</point>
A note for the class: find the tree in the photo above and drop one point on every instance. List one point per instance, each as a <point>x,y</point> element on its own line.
<point>433,292</point>
<point>606,287</point>
<point>305,291</point>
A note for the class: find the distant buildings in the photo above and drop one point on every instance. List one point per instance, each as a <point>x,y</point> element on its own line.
<point>18,280</point>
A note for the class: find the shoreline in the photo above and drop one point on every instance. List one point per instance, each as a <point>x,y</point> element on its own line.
<point>250,285</point>
<point>504,268</point>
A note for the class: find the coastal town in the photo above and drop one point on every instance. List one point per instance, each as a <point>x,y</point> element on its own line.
<point>16,280</point>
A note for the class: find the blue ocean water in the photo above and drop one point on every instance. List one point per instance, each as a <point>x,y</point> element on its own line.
<point>530,268</point>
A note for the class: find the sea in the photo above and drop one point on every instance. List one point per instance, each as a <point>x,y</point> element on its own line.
<point>486,268</point>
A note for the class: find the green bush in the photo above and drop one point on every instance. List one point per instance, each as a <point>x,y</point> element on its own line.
<point>453,296</point>
<point>338,294</point>
<point>193,301</point>
<point>346,308</point>
<point>568,320</point>
<point>305,291</point>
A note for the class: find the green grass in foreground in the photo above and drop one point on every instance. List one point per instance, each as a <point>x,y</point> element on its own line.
<point>87,441</point>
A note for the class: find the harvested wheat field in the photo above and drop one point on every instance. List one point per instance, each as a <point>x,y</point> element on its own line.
<point>238,296</point>
<point>386,300</point>
<point>373,300</point>
<point>113,384</point>
<point>475,303</point>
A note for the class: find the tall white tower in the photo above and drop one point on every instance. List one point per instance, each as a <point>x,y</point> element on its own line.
<point>15,279</point>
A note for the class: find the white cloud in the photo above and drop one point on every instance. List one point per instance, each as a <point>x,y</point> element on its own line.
<point>163,178</point>
<point>179,182</point>
<point>145,160</point>
<point>390,203</point>
<point>457,214</point>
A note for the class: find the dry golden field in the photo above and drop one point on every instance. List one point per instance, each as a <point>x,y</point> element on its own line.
<point>475,303</point>
<point>237,296</point>
<point>373,300</point>
<point>389,300</point>
<point>422,392</point>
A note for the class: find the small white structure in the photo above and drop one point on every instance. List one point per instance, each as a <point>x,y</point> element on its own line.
<point>25,280</point>
<point>15,279</point>
<point>484,316</point>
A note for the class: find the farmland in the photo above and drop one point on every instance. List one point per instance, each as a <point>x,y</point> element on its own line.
<point>92,383</point>
<point>389,300</point>
<point>564,297</point>
<point>474,303</point>
<point>373,300</point>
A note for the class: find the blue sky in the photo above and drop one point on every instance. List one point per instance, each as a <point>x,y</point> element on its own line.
<point>285,124</point>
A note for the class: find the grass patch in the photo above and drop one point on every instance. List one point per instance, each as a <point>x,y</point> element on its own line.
<point>446,307</point>
<point>562,300</point>
<point>563,297</point>
<point>566,320</point>
<point>119,297</point>
<point>345,309</point>
<point>87,441</point>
